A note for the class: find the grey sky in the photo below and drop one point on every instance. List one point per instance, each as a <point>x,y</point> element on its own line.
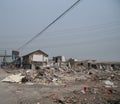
<point>91,30</point>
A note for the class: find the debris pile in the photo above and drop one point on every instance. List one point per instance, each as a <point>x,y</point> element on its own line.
<point>90,97</point>
<point>79,84</point>
<point>59,75</point>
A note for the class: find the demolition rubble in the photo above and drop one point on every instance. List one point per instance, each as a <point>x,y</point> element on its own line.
<point>83,82</point>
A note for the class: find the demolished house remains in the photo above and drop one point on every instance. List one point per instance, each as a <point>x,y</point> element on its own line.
<point>67,81</point>
<point>58,60</point>
<point>71,85</point>
<point>34,60</point>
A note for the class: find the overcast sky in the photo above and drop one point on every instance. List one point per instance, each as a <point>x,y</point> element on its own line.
<point>91,30</point>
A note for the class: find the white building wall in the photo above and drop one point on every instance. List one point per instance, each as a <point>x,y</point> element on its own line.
<point>38,58</point>
<point>46,59</point>
<point>63,59</point>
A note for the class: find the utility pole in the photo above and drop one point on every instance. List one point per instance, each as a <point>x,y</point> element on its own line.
<point>5,57</point>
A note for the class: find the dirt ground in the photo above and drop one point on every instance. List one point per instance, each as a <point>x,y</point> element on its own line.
<point>72,92</point>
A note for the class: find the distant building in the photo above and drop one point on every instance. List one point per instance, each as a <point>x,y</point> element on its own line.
<point>15,55</point>
<point>35,59</point>
<point>57,59</point>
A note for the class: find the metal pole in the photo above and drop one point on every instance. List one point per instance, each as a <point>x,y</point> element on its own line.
<point>5,57</point>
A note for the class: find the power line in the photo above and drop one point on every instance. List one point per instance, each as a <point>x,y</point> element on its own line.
<point>78,42</point>
<point>40,33</point>
<point>92,28</point>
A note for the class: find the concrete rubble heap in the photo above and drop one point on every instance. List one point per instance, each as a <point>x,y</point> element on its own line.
<point>96,86</point>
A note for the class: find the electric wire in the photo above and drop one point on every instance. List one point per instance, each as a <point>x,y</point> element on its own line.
<point>40,33</point>
<point>76,40</point>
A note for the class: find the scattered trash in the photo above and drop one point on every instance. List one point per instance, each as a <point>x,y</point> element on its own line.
<point>14,78</point>
<point>29,83</point>
<point>110,90</point>
<point>84,85</point>
<point>38,102</point>
<point>84,90</point>
<point>65,85</point>
<point>109,83</point>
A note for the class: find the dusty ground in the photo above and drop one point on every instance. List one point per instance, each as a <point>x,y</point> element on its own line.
<point>68,93</point>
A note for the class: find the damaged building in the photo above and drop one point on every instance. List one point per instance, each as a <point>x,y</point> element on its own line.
<point>35,59</point>
<point>58,60</point>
